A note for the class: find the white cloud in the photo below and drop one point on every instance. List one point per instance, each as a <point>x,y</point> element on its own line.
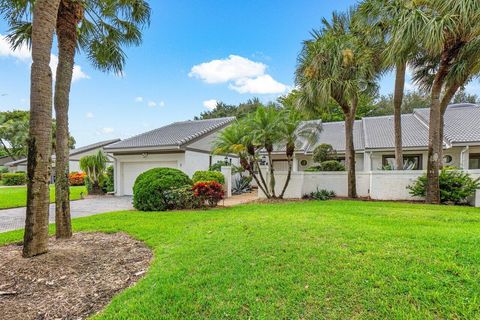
<point>243,75</point>
<point>89,115</point>
<point>210,104</point>
<point>108,130</point>
<point>260,85</point>
<point>23,54</point>
<point>139,99</point>
<point>224,70</point>
<point>151,104</point>
<point>162,104</point>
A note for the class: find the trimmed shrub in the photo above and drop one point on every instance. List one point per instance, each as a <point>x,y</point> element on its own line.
<point>151,188</point>
<point>455,186</point>
<point>330,165</point>
<point>182,198</point>
<point>323,194</point>
<point>14,179</point>
<point>208,176</point>
<point>324,152</point>
<point>209,192</point>
<point>77,178</point>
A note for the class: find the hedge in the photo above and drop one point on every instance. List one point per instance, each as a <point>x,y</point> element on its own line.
<point>203,176</point>
<point>14,179</point>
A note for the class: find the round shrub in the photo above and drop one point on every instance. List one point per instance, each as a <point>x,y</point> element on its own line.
<point>149,190</point>
<point>455,186</point>
<point>208,176</point>
<point>14,179</point>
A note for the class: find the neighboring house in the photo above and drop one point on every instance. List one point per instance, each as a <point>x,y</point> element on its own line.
<point>374,140</point>
<point>184,145</point>
<point>5,159</point>
<point>75,156</point>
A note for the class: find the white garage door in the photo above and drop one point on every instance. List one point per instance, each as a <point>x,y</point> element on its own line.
<point>131,170</point>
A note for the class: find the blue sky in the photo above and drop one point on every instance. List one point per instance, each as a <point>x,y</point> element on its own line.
<point>194,52</point>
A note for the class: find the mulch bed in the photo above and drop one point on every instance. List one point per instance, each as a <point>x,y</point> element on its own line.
<point>75,279</point>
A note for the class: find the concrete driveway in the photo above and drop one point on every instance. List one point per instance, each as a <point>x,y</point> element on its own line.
<point>12,219</point>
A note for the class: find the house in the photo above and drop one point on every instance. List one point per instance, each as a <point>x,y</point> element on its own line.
<point>185,145</point>
<point>374,141</point>
<point>4,160</point>
<point>75,156</point>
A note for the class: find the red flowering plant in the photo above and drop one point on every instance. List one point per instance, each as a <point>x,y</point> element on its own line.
<point>77,178</point>
<point>211,192</point>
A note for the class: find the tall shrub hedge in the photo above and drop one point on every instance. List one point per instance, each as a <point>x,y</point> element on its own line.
<point>203,176</point>
<point>14,179</point>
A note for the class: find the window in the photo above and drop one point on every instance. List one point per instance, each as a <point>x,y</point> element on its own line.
<point>474,161</point>
<point>410,161</point>
<point>303,163</point>
<point>447,159</point>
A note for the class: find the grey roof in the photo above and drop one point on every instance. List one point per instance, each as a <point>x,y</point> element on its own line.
<point>93,146</point>
<point>380,132</point>
<point>333,133</point>
<point>462,125</point>
<point>173,135</point>
<point>462,122</point>
<point>73,152</point>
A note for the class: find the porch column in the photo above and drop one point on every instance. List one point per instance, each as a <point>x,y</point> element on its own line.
<point>227,173</point>
<point>295,164</point>
<point>464,158</point>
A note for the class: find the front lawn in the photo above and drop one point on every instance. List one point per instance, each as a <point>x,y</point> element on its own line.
<point>301,260</point>
<point>13,197</point>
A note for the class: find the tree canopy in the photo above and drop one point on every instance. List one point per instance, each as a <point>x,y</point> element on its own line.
<point>14,127</point>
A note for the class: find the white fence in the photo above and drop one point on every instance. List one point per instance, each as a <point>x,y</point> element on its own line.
<point>378,185</point>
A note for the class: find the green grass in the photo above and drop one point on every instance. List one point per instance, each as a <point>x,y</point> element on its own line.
<point>14,197</point>
<point>301,260</point>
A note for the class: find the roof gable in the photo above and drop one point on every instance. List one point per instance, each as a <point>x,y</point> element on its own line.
<point>173,135</point>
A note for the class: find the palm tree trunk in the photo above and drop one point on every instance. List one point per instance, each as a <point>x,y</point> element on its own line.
<point>262,179</point>
<point>434,140</point>
<point>67,39</point>
<point>40,132</point>
<point>350,154</point>
<point>272,174</point>
<point>397,103</point>
<point>289,176</point>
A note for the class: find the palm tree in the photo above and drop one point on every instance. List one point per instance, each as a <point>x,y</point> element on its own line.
<point>448,32</point>
<point>337,64</point>
<point>264,125</point>
<point>235,140</point>
<point>94,167</point>
<point>40,131</point>
<point>294,131</point>
<point>105,27</point>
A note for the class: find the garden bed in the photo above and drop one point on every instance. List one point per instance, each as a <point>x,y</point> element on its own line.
<point>75,279</point>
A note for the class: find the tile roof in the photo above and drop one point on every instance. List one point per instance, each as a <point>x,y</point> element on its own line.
<point>461,126</point>
<point>380,132</point>
<point>73,152</point>
<point>174,135</point>
<point>462,122</point>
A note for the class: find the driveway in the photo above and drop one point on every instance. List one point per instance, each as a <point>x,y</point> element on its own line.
<point>12,219</point>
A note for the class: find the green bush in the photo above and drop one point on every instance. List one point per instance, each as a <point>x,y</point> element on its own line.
<point>208,176</point>
<point>182,198</point>
<point>323,194</point>
<point>330,165</point>
<point>109,180</point>
<point>150,191</point>
<point>455,186</point>
<point>324,152</point>
<point>3,170</point>
<point>14,179</point>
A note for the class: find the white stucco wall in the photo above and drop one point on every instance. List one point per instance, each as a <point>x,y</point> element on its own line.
<point>392,185</point>
<point>128,167</point>
<point>195,161</point>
